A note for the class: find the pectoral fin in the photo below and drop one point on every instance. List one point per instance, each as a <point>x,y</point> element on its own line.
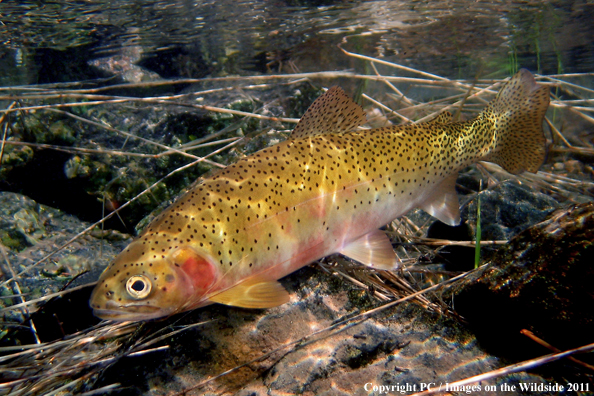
<point>374,250</point>
<point>253,293</point>
<point>443,202</point>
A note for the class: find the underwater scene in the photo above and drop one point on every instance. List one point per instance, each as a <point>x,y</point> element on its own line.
<point>296,197</point>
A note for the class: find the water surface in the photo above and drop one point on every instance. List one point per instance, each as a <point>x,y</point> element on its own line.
<point>55,41</point>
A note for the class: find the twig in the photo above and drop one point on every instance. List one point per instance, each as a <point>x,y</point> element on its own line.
<point>25,311</point>
<point>5,131</point>
<point>542,342</point>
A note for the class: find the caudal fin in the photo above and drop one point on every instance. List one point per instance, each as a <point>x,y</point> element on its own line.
<point>516,115</point>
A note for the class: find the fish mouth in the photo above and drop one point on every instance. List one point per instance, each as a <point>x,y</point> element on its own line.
<point>130,312</point>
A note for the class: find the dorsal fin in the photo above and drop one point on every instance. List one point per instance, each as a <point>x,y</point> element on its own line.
<point>442,118</point>
<point>333,112</point>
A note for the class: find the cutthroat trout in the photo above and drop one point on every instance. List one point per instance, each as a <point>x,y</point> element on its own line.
<point>327,189</point>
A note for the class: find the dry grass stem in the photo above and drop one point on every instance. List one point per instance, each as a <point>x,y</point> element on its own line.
<point>542,342</point>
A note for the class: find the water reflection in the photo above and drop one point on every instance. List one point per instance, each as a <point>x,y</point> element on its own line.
<point>197,38</point>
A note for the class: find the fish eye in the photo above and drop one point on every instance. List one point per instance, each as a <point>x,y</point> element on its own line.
<point>138,286</point>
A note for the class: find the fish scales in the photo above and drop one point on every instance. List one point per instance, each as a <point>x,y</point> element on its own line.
<point>328,189</point>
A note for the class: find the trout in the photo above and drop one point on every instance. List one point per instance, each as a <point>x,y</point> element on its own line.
<point>327,189</point>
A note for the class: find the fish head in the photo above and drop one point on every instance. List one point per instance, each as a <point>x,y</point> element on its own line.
<point>142,285</point>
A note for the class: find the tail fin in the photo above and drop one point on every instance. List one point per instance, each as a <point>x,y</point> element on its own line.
<point>517,114</point>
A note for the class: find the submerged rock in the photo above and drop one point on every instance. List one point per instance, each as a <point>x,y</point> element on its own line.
<point>266,352</point>
<point>402,346</point>
<point>542,280</point>
<point>28,233</point>
<point>508,209</point>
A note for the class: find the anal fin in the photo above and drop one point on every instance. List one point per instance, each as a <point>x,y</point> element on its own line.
<point>443,202</point>
<point>253,293</point>
<point>373,250</point>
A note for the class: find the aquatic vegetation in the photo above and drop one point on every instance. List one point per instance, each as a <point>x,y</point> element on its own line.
<point>477,248</point>
<point>15,156</point>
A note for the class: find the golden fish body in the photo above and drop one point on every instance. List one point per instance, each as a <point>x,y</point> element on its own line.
<point>328,189</point>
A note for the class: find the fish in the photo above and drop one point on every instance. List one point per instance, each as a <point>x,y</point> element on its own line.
<point>327,189</point>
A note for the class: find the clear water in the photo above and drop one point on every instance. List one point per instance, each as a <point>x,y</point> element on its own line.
<point>63,41</point>
<point>55,41</point>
